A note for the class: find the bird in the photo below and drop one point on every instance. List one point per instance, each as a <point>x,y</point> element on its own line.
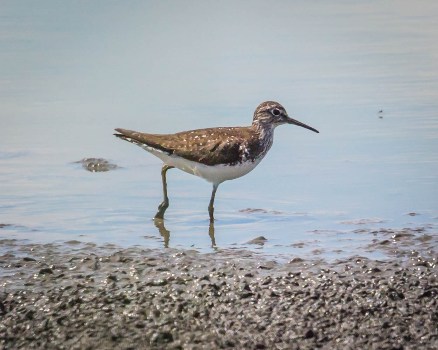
<point>214,154</point>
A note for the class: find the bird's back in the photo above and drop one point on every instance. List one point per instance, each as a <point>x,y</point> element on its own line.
<point>211,146</point>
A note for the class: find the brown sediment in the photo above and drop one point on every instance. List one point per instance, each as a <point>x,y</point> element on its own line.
<point>80,296</point>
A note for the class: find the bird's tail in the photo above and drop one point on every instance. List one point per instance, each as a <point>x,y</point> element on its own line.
<point>130,136</point>
<point>148,142</point>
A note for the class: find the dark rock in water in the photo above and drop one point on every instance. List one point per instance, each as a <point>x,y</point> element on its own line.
<point>73,242</point>
<point>259,211</point>
<point>27,258</point>
<point>97,164</point>
<point>258,240</point>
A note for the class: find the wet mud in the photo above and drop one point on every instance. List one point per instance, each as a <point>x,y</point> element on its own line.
<point>82,296</point>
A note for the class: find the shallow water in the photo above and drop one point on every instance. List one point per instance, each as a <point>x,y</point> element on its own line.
<point>364,75</point>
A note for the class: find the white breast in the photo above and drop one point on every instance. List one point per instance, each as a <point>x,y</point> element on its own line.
<point>215,174</point>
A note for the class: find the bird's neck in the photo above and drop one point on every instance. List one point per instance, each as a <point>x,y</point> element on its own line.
<point>263,129</point>
<point>265,134</point>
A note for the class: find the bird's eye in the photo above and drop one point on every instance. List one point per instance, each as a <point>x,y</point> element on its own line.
<point>276,112</point>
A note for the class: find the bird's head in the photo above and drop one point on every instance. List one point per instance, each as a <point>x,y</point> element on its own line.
<point>271,114</point>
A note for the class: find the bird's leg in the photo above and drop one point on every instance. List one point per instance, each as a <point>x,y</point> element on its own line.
<point>165,233</point>
<point>211,234</point>
<point>163,206</point>
<point>210,206</point>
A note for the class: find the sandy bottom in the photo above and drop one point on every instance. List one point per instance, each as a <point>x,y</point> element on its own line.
<point>83,296</point>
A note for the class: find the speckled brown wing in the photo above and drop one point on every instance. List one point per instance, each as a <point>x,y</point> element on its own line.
<point>207,146</point>
<point>210,146</point>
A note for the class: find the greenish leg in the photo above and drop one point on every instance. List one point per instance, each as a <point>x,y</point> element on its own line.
<point>211,234</point>
<point>165,204</point>
<point>210,206</point>
<point>165,233</point>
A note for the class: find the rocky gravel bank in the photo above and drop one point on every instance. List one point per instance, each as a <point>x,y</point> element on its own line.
<point>107,297</point>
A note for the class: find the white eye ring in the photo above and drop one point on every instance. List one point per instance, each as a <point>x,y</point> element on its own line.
<point>276,112</point>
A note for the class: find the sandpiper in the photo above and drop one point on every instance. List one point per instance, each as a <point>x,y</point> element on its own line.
<point>215,154</point>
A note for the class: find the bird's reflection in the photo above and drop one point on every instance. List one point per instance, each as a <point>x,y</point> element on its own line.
<point>165,233</point>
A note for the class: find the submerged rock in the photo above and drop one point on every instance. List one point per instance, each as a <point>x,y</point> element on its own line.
<point>97,164</point>
<point>258,240</point>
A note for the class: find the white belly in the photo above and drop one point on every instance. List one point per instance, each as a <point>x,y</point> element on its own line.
<point>215,174</point>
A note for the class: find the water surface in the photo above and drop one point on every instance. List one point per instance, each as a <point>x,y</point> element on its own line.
<point>365,75</point>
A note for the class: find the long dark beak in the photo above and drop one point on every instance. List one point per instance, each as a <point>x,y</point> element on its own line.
<point>296,122</point>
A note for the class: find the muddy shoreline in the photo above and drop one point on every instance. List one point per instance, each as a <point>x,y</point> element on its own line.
<point>58,297</point>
